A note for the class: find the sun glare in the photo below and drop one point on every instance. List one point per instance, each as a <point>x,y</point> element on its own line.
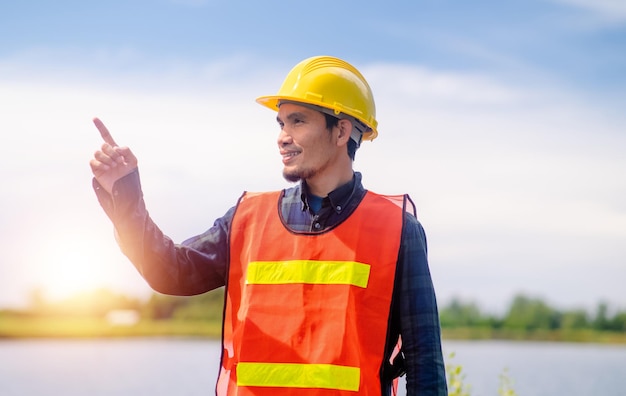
<point>73,274</point>
<point>70,269</point>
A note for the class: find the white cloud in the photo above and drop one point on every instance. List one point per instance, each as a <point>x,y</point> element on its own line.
<point>425,85</point>
<point>508,180</point>
<point>612,10</point>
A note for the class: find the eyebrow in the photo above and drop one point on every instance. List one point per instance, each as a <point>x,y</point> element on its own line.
<point>294,115</point>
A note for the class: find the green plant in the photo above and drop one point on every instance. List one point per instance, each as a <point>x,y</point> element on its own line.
<point>506,384</point>
<point>456,378</point>
<point>458,387</point>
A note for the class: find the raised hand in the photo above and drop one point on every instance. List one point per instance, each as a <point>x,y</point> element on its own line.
<point>111,162</point>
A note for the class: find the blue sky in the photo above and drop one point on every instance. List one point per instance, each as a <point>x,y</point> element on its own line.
<point>575,42</point>
<point>504,120</point>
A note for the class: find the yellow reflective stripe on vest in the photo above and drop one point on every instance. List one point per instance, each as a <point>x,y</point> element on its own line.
<point>308,271</point>
<point>293,375</point>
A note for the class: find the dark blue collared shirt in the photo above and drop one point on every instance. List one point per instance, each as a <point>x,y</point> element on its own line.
<point>200,264</point>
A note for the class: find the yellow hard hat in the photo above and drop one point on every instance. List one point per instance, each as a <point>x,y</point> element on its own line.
<point>330,83</point>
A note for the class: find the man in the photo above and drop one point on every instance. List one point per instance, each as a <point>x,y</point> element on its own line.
<point>324,280</point>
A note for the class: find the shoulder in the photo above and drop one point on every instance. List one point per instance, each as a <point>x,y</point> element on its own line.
<point>412,226</point>
<point>412,222</point>
<point>402,202</point>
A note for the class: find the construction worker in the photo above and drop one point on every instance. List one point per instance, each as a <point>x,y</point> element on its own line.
<point>328,289</point>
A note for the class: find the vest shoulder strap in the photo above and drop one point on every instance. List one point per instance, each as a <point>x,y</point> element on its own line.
<point>403,201</point>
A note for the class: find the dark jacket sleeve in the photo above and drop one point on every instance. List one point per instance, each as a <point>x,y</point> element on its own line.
<point>193,267</point>
<point>416,307</point>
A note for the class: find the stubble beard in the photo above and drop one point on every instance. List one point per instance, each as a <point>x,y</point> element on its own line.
<point>296,175</point>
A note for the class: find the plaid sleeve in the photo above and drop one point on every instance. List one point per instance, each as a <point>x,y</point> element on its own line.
<point>418,315</point>
<point>196,266</point>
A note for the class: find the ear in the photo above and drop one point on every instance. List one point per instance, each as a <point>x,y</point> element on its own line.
<point>345,129</point>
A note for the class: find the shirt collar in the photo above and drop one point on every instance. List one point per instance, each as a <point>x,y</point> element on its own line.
<point>338,198</point>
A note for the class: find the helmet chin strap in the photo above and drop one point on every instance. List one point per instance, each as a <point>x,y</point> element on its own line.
<point>358,128</point>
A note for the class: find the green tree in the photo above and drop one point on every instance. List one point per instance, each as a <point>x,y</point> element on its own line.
<point>530,314</point>
<point>459,314</point>
<point>574,320</point>
<point>161,306</point>
<point>601,320</point>
<point>618,322</point>
<point>206,306</point>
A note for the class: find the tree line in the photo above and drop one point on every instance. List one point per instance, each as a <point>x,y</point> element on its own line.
<point>530,314</point>
<point>524,313</point>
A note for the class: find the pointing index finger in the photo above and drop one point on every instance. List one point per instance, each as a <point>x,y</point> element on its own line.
<point>104,132</point>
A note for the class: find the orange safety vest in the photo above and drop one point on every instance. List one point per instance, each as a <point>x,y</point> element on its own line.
<point>307,314</point>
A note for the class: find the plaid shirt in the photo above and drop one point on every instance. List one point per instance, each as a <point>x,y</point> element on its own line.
<point>200,264</point>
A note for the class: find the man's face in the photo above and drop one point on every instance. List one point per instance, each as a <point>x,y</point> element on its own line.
<point>308,148</point>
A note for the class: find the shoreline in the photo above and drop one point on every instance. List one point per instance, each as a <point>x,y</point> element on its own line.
<point>85,327</point>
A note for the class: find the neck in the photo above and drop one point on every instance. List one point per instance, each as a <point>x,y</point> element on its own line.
<point>323,185</point>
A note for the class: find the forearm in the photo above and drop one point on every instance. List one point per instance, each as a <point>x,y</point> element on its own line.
<point>420,329</point>
<point>422,350</point>
<point>167,267</point>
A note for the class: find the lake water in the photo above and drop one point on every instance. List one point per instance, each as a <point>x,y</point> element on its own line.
<point>189,367</point>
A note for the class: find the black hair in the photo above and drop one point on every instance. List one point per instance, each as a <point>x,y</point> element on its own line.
<point>332,122</point>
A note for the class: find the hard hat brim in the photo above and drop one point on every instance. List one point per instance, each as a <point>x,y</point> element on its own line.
<point>273,102</point>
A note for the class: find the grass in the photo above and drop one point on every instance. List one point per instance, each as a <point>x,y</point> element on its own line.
<point>42,327</point>
<point>581,335</point>
<point>85,327</point>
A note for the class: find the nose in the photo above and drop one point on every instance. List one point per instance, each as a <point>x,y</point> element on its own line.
<point>284,138</point>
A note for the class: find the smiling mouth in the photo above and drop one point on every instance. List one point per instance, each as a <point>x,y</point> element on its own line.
<point>289,155</point>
